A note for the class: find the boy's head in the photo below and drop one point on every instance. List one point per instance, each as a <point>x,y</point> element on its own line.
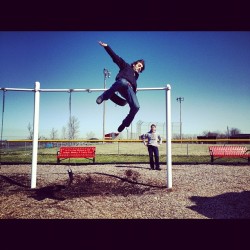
<point>153,127</point>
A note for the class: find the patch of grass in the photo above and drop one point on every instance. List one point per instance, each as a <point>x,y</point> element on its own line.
<point>119,152</point>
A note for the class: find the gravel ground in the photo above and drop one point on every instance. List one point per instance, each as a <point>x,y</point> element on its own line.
<point>125,192</point>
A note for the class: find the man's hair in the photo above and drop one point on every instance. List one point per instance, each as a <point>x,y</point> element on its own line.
<point>153,125</point>
<point>141,61</point>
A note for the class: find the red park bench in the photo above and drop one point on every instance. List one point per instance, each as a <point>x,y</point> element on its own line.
<point>229,151</point>
<point>76,152</point>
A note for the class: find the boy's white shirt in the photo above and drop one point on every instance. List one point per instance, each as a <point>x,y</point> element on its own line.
<point>154,139</point>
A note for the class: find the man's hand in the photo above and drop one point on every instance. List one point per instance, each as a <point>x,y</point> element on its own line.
<point>103,44</point>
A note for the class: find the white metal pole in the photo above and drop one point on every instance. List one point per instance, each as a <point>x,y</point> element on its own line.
<point>35,134</point>
<point>104,105</point>
<point>180,122</point>
<point>169,137</point>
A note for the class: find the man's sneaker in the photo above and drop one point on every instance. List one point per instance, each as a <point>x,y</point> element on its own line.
<point>120,128</point>
<point>99,100</point>
<point>159,169</point>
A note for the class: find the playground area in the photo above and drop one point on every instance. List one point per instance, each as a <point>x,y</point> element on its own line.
<point>60,157</point>
<point>125,191</point>
<point>118,184</point>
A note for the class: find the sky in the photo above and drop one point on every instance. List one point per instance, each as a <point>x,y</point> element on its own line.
<point>209,69</point>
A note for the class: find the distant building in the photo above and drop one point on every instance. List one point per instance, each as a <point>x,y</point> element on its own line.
<point>240,136</point>
<point>206,138</point>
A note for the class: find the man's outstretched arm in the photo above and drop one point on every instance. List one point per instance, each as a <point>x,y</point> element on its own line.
<point>116,59</point>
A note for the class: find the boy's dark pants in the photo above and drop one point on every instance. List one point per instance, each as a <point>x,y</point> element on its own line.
<point>153,153</point>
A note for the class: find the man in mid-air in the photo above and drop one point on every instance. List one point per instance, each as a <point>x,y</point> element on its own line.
<point>125,84</point>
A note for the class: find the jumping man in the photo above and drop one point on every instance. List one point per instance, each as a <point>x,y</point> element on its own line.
<point>125,84</point>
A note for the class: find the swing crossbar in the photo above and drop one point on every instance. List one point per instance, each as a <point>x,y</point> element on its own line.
<point>75,90</point>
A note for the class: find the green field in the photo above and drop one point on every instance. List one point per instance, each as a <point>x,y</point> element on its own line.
<point>118,152</point>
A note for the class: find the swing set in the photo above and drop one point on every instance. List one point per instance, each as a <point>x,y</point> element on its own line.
<point>37,90</point>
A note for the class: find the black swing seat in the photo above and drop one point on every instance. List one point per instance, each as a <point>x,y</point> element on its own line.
<point>118,100</point>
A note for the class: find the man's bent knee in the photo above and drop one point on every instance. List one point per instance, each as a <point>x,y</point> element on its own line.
<point>135,109</point>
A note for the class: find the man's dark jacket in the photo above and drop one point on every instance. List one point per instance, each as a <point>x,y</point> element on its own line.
<point>126,71</point>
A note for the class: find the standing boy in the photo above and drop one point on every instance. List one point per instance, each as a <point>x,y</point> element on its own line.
<point>154,141</point>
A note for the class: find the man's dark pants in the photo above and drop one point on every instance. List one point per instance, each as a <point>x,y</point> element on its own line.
<point>125,89</point>
<point>153,153</point>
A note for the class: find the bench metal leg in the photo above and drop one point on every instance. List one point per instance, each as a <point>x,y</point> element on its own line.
<point>212,159</point>
<point>58,160</point>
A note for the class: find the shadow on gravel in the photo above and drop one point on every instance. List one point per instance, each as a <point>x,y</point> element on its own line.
<point>13,181</point>
<point>225,206</point>
<point>53,192</point>
<point>96,184</point>
<point>81,185</point>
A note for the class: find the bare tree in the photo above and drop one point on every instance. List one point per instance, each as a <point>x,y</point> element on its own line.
<point>73,128</point>
<point>222,135</point>
<point>53,134</point>
<point>30,129</point>
<point>64,132</point>
<point>209,133</point>
<point>30,136</point>
<point>234,131</point>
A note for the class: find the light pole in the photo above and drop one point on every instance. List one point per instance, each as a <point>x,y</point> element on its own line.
<point>106,75</point>
<point>180,99</point>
